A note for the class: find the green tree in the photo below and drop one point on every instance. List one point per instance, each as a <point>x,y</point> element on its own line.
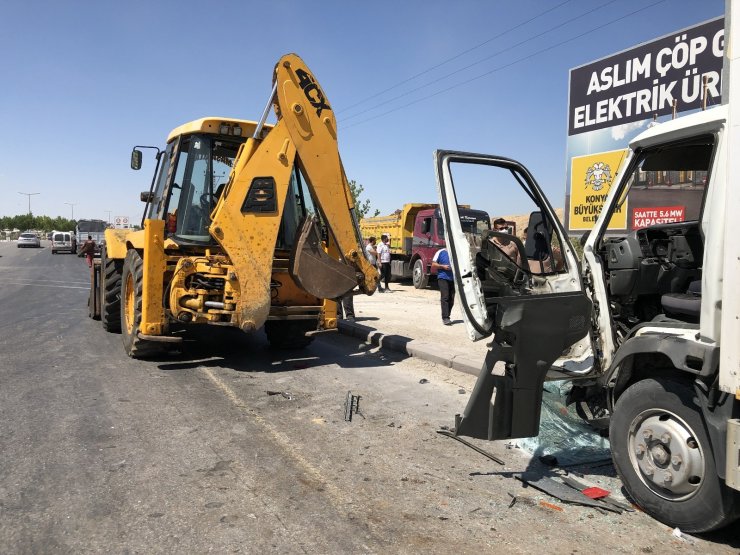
<point>362,207</point>
<point>39,223</point>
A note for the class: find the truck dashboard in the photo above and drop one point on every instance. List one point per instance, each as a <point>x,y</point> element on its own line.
<point>648,263</point>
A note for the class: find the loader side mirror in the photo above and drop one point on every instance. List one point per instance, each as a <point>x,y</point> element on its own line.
<point>146,196</point>
<point>135,159</point>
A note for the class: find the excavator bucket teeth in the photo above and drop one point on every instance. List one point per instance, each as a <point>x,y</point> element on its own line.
<point>314,270</point>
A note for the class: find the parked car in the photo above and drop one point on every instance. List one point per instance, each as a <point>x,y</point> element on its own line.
<point>29,240</point>
<point>63,241</point>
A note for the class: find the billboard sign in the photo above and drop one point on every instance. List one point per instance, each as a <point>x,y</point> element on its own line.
<point>613,99</point>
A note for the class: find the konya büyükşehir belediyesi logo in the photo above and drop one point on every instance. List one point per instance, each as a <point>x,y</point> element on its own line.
<point>592,177</point>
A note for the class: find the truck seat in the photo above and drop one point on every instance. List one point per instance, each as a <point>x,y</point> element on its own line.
<point>684,304</point>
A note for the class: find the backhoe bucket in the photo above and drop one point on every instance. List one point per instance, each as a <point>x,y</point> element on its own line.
<point>314,270</point>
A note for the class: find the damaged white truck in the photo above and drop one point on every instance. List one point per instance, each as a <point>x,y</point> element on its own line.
<point>647,324</point>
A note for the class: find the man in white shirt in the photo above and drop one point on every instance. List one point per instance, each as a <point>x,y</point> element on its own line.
<point>372,254</point>
<point>384,259</point>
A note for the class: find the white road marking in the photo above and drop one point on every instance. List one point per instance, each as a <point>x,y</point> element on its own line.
<point>337,496</point>
<point>6,282</point>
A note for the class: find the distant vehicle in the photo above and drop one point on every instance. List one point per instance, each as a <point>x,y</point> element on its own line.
<point>63,241</point>
<point>94,228</point>
<point>416,232</point>
<point>29,240</point>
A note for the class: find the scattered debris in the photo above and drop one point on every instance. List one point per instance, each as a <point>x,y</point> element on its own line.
<point>682,536</point>
<point>287,394</point>
<point>423,380</point>
<point>351,406</point>
<point>582,487</point>
<point>461,391</point>
<point>551,506</point>
<point>561,491</point>
<point>595,492</point>
<point>513,500</point>
<point>494,458</point>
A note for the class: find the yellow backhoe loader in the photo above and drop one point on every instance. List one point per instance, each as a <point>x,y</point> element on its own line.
<point>237,231</point>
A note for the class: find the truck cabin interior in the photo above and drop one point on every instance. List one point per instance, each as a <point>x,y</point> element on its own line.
<point>654,270</point>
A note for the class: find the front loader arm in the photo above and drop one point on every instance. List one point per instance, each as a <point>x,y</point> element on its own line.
<point>247,216</point>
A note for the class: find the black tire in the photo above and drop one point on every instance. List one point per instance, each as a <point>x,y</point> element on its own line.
<point>110,294</point>
<point>289,334</point>
<point>132,285</point>
<point>696,499</point>
<point>419,275</point>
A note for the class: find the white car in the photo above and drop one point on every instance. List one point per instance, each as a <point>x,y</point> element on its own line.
<point>29,240</point>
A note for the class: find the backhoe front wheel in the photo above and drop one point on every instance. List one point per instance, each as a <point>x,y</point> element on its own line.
<point>663,456</point>
<point>132,284</point>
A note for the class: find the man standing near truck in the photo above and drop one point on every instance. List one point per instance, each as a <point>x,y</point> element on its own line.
<point>384,259</point>
<point>441,263</point>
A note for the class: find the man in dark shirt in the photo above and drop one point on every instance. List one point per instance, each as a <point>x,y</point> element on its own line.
<point>441,262</point>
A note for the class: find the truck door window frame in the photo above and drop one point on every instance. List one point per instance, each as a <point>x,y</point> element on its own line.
<point>467,282</point>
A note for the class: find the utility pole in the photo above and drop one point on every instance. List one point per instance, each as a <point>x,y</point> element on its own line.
<point>108,212</point>
<point>72,204</point>
<point>29,195</point>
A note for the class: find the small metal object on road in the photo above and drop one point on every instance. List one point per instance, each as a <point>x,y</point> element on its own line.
<point>351,406</point>
<point>494,458</point>
<point>288,395</point>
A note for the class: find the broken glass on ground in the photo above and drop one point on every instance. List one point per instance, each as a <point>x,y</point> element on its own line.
<point>563,434</point>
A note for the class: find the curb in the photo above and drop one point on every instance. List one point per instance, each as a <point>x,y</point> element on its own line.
<point>455,359</point>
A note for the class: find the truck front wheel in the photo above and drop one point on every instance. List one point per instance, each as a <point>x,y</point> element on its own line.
<point>664,458</point>
<point>419,275</point>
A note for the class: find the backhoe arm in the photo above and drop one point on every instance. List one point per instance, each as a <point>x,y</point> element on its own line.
<point>305,110</point>
<point>247,216</point>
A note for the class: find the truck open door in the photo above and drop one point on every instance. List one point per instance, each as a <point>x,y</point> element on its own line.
<point>531,300</point>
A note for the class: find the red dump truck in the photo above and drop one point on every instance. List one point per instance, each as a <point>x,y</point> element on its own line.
<point>416,232</point>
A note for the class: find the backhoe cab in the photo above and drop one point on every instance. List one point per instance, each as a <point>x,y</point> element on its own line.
<point>246,224</point>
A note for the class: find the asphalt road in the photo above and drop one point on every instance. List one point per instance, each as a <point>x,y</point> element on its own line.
<point>233,447</point>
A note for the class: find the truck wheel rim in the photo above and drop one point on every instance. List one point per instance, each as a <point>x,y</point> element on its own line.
<point>129,311</point>
<point>666,455</point>
<point>417,273</point>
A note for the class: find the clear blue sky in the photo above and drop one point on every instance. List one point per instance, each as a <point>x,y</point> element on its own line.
<point>82,82</point>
